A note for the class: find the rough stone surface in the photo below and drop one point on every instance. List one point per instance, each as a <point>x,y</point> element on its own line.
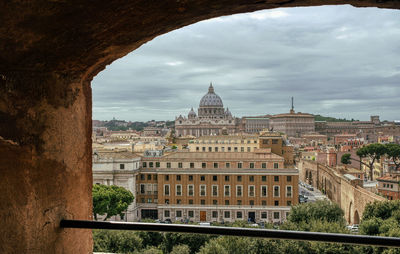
<point>49,53</point>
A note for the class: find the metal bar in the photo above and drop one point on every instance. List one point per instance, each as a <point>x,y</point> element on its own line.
<point>233,231</point>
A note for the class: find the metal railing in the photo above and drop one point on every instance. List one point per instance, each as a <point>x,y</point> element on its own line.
<point>234,231</point>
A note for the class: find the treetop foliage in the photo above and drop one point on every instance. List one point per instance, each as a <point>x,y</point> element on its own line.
<point>110,200</point>
<point>321,210</point>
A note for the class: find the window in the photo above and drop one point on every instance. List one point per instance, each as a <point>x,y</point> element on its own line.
<point>180,165</point>
<point>276,178</point>
<point>251,202</point>
<point>239,190</point>
<point>121,166</point>
<point>178,189</point>
<point>276,165</point>
<point>166,189</point>
<point>251,178</point>
<point>197,148</point>
<point>288,203</point>
<point>240,165</point>
<point>142,177</point>
<point>248,149</point>
<point>215,178</point>
<point>167,201</point>
<point>227,190</point>
<point>192,165</point>
<point>210,149</point>
<point>214,214</point>
<point>226,202</point>
<point>155,177</point>
<point>202,190</point>
<point>191,214</point>
<point>179,214</point>
<point>215,190</point>
<point>264,215</point>
<point>264,191</point>
<point>264,202</point>
<point>239,178</point>
<point>168,164</point>
<point>157,164</point>
<point>202,178</point>
<point>166,213</point>
<point>142,189</point>
<point>276,191</point>
<point>265,141</point>
<point>190,201</point>
<point>151,164</point>
<point>202,202</point>
<point>264,165</point>
<point>226,178</point>
<point>264,178</point>
<point>178,201</point>
<point>288,178</point>
<point>239,202</point>
<point>242,149</point>
<point>215,202</point>
<point>166,177</point>
<point>148,177</point>
<point>222,149</point>
<point>178,177</point>
<point>276,215</point>
<point>239,215</point>
<point>204,148</point>
<point>190,177</point>
<point>190,190</point>
<point>227,165</point>
<point>227,214</point>
<point>229,149</point>
<point>274,141</point>
<point>142,200</point>
<point>251,164</point>
<point>276,203</point>
<point>236,149</point>
<point>203,165</point>
<point>251,191</point>
<point>288,191</point>
<point>216,149</point>
<point>145,164</point>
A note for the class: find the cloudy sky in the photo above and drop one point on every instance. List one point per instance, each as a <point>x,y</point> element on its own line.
<point>336,61</point>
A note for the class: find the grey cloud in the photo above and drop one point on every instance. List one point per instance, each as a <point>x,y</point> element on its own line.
<point>337,61</point>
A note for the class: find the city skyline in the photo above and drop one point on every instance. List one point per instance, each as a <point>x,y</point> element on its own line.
<point>257,62</point>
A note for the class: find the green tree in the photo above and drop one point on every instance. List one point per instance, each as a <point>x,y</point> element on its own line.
<point>321,210</point>
<point>393,153</point>
<point>180,249</point>
<point>372,152</point>
<point>116,241</point>
<point>110,200</point>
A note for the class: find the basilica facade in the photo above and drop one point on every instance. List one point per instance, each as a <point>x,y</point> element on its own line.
<point>211,118</point>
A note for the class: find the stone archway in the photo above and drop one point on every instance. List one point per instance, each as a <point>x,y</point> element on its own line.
<point>349,213</point>
<point>356,219</point>
<point>49,53</point>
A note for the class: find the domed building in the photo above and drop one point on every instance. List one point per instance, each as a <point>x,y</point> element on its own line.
<point>211,118</point>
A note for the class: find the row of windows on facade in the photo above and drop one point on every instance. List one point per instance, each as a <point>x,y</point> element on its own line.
<point>224,142</point>
<point>214,178</point>
<point>227,214</point>
<point>229,149</point>
<point>388,185</point>
<point>204,165</point>
<point>214,202</point>
<point>227,178</point>
<point>251,191</point>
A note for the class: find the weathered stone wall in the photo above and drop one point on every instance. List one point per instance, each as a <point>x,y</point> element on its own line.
<point>351,198</point>
<point>45,160</point>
